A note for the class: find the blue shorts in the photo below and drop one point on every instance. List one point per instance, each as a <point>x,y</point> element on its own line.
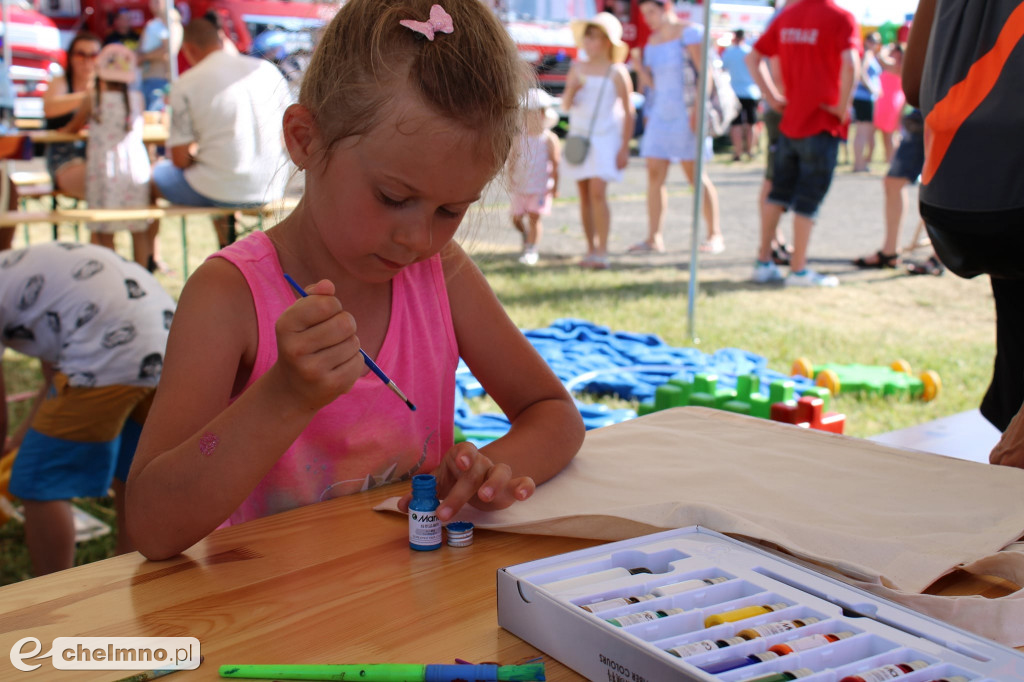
<point>81,438</point>
<point>171,182</point>
<point>803,172</point>
<point>908,160</point>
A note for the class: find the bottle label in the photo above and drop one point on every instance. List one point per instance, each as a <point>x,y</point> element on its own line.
<point>805,643</point>
<point>886,672</point>
<point>609,604</point>
<point>694,648</point>
<point>676,588</point>
<point>634,618</point>
<point>769,629</point>
<point>424,528</point>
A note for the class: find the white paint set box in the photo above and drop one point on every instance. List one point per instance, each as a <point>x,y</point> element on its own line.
<point>732,612</point>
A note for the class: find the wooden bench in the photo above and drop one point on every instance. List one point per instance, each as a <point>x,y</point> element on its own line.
<point>79,216</point>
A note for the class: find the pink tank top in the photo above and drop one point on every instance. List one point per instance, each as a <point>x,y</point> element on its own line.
<point>367,437</point>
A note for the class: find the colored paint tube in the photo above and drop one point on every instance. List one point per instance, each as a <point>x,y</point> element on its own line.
<point>703,646</point>
<point>685,586</point>
<point>783,676</point>
<point>740,614</point>
<point>886,672</point>
<point>734,663</point>
<point>663,591</point>
<point>642,617</point>
<point>609,604</point>
<point>810,642</point>
<point>591,578</point>
<point>776,627</point>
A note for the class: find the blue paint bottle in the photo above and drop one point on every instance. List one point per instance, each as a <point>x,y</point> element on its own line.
<point>424,526</point>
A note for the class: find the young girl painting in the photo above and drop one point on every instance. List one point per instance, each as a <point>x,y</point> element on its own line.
<point>265,403</point>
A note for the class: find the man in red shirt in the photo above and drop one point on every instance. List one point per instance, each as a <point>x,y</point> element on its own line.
<point>817,46</point>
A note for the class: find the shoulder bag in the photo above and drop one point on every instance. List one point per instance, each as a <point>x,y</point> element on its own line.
<point>578,146</point>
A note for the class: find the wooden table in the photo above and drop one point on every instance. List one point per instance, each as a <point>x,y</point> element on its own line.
<point>152,133</point>
<point>334,582</point>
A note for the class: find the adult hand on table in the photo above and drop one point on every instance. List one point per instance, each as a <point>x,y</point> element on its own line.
<point>1009,451</point>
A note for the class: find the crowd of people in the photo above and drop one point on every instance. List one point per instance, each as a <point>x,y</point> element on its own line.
<point>224,150</point>
<point>265,403</point>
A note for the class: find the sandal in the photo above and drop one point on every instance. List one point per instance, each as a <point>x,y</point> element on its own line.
<point>714,245</point>
<point>593,261</point>
<point>645,247</point>
<point>932,266</point>
<point>781,254</point>
<point>879,260</point>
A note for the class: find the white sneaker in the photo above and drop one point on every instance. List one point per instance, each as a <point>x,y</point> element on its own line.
<point>529,257</point>
<point>810,278</point>
<point>766,272</point>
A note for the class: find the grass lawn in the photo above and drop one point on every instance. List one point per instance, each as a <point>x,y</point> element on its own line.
<point>933,322</point>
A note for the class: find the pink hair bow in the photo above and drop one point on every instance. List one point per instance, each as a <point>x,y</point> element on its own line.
<point>439,21</point>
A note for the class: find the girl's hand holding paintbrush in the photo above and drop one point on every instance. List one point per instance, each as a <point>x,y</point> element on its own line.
<point>468,475</point>
<point>318,350</point>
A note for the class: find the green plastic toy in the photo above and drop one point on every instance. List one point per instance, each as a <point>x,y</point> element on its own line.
<point>896,380</point>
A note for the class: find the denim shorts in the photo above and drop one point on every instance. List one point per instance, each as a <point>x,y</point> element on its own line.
<point>908,160</point>
<point>803,172</point>
<point>81,438</point>
<point>171,182</point>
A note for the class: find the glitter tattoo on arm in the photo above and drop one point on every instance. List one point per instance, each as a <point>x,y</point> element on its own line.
<point>208,443</point>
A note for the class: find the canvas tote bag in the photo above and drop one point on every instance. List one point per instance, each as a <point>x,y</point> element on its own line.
<point>888,520</point>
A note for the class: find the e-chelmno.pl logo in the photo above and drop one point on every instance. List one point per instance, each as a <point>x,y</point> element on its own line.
<point>109,653</point>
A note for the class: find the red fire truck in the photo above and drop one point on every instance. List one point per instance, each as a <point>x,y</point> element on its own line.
<point>35,55</point>
<point>540,28</point>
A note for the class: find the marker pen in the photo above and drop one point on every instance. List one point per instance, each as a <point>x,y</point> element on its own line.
<point>886,672</point>
<point>809,642</point>
<point>703,646</point>
<point>776,627</point>
<point>592,578</point>
<point>783,676</point>
<point>663,591</point>
<point>642,617</point>
<point>734,663</point>
<point>740,614</point>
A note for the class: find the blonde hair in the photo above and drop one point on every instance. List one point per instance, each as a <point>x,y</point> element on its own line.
<point>473,76</point>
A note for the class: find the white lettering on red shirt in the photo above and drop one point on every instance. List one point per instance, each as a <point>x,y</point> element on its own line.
<point>803,36</point>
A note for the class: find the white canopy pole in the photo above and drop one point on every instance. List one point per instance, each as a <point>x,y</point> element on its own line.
<point>698,181</point>
<point>7,34</point>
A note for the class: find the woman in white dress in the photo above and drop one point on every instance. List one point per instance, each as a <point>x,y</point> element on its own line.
<point>596,95</point>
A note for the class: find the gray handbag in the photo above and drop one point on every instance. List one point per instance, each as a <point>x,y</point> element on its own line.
<point>578,146</point>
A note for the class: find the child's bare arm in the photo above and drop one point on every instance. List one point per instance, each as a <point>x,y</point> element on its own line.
<point>547,429</point>
<point>555,156</point>
<point>573,83</point>
<point>80,118</point>
<point>624,88</point>
<point>199,456</point>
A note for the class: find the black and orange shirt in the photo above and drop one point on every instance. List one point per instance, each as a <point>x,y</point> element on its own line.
<point>972,98</point>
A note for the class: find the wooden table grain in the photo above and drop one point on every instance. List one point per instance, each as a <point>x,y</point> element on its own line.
<point>334,582</point>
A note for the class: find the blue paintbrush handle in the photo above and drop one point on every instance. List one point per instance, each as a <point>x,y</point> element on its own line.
<point>366,358</point>
<point>374,368</point>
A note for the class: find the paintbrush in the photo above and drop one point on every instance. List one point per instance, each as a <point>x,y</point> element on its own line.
<point>366,358</point>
